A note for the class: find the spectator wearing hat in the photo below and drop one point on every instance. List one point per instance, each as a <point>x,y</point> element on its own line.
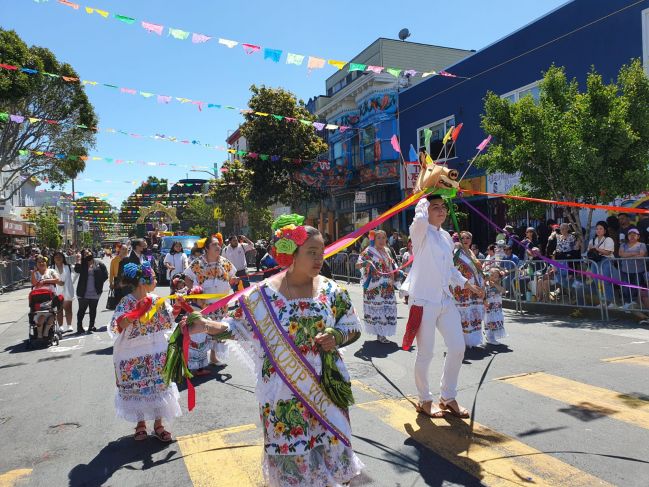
<point>600,251</point>
<point>551,246</point>
<point>530,241</point>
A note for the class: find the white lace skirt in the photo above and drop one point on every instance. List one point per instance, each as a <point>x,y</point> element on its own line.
<point>161,405</point>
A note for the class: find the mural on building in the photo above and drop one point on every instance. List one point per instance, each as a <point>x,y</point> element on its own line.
<point>378,102</point>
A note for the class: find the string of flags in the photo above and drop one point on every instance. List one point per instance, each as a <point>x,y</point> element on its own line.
<point>269,54</point>
<point>10,117</point>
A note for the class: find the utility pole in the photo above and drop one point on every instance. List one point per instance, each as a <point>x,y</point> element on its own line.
<point>74,216</point>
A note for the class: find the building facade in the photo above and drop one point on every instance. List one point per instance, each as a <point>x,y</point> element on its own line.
<point>604,34</point>
<point>363,169</point>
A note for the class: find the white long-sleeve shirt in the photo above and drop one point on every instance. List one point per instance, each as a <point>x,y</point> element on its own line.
<point>432,271</point>
<point>237,255</point>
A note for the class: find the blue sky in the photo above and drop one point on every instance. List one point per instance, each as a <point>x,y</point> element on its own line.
<point>110,51</point>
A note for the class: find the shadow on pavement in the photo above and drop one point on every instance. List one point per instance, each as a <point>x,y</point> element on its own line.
<point>539,431</point>
<point>100,351</point>
<point>18,348</point>
<point>17,364</point>
<point>55,358</point>
<point>376,349</point>
<point>117,455</point>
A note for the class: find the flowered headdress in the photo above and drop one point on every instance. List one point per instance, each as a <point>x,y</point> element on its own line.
<point>219,237</point>
<point>289,235</point>
<point>143,273</point>
<point>372,237</point>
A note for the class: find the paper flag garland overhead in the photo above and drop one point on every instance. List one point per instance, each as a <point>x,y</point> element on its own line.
<point>4,117</point>
<point>315,62</point>
<point>165,99</point>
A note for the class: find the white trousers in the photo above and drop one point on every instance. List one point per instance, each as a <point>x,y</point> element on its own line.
<point>445,317</point>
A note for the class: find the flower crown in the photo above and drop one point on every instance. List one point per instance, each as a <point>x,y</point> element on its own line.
<point>289,235</point>
<point>143,273</point>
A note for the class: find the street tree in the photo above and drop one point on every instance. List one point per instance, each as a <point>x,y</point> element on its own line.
<point>43,114</point>
<point>232,194</point>
<point>153,190</point>
<point>200,212</point>
<point>276,144</point>
<point>47,228</point>
<point>590,146</point>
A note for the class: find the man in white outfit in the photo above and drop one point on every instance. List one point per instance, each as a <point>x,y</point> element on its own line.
<point>428,286</point>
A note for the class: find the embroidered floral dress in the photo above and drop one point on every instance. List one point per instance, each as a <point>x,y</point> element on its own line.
<point>470,306</point>
<point>379,300</point>
<point>214,278</point>
<point>494,321</point>
<point>298,450</point>
<point>139,355</point>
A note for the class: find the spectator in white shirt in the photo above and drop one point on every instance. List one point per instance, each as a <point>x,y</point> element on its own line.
<point>235,252</point>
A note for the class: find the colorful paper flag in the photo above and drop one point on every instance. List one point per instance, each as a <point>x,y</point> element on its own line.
<point>129,91</point>
<point>272,54</point>
<point>319,125</point>
<point>412,154</point>
<point>410,72</point>
<point>296,59</point>
<point>456,132</point>
<point>337,64</point>
<point>375,69</point>
<point>427,135</point>
<point>448,135</point>
<point>394,72</point>
<point>250,48</point>
<point>178,34</point>
<point>315,63</point>
<point>69,4</point>
<point>125,19</point>
<point>428,73</point>
<point>447,74</point>
<point>228,43</point>
<point>395,144</point>
<point>357,67</point>
<point>153,27</point>
<point>199,38</point>
<point>484,144</point>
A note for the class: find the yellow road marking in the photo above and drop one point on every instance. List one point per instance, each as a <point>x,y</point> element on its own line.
<point>629,359</point>
<point>496,459</point>
<point>364,387</point>
<point>606,402</point>
<point>9,479</point>
<point>229,457</point>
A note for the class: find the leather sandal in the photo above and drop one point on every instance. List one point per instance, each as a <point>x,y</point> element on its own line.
<point>140,433</point>
<point>454,408</point>
<point>436,415</point>
<point>162,434</point>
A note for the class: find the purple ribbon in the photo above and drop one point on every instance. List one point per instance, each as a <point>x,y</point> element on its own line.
<point>556,264</point>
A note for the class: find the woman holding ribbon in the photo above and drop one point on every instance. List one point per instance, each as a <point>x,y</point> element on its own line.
<point>290,329</point>
<point>469,304</point>
<point>379,301</point>
<point>216,275</point>
<point>139,355</point>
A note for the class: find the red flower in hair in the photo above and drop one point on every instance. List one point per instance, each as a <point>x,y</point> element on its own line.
<point>298,235</point>
<point>284,260</point>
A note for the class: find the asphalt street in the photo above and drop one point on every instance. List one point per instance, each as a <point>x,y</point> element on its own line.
<point>566,402</point>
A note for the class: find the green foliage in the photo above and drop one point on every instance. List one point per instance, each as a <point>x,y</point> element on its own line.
<point>591,146</point>
<point>232,193</point>
<point>152,187</point>
<point>274,181</point>
<point>47,228</point>
<point>519,208</point>
<point>199,230</point>
<point>85,240</point>
<point>44,97</point>
<point>201,214</point>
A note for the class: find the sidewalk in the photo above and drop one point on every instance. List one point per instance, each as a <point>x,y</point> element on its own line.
<point>13,307</point>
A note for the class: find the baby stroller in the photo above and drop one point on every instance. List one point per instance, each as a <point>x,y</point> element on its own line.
<point>43,306</point>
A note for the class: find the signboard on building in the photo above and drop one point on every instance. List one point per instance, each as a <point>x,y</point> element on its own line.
<point>502,183</point>
<point>360,197</point>
<point>411,173</point>
<point>10,227</point>
<point>478,183</point>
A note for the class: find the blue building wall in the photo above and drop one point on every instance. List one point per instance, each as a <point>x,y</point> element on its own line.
<point>519,60</point>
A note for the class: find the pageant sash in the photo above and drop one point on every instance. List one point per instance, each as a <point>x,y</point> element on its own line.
<point>468,261</point>
<point>291,366</point>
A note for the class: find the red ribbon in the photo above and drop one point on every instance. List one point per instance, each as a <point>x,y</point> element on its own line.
<point>412,327</point>
<point>191,393</point>
<point>616,209</point>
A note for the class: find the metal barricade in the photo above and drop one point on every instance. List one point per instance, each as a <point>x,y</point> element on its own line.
<point>14,273</point>
<point>339,264</point>
<point>631,270</point>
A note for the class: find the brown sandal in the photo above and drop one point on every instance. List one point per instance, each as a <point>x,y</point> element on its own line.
<point>436,415</point>
<point>140,433</point>
<point>456,410</point>
<point>162,434</point>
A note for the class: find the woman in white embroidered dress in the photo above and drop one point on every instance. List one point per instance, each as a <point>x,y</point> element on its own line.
<point>316,316</point>
<point>216,275</point>
<point>139,355</point>
<point>469,304</point>
<point>379,300</point>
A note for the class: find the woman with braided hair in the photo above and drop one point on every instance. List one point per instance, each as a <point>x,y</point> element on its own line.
<point>289,330</point>
<point>139,355</point>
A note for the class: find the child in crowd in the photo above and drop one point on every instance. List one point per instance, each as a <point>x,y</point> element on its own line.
<point>494,320</point>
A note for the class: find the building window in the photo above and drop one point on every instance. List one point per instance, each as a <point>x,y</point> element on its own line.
<point>531,89</point>
<point>436,147</point>
<point>356,151</point>
<point>338,154</point>
<point>368,136</point>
